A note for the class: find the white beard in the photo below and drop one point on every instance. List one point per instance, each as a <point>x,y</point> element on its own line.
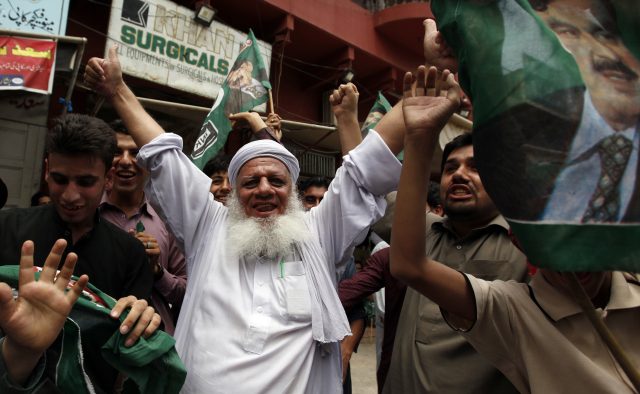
<point>269,237</point>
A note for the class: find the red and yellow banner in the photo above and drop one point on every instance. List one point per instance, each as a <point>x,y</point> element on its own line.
<point>27,64</point>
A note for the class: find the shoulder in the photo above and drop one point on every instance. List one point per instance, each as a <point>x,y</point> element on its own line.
<point>497,292</point>
<point>28,221</point>
<point>118,236</point>
<point>20,214</point>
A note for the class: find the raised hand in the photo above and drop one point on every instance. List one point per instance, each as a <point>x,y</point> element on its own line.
<point>428,108</point>
<point>104,75</point>
<point>34,319</point>
<point>275,122</point>
<point>344,101</point>
<point>252,118</point>
<point>436,51</point>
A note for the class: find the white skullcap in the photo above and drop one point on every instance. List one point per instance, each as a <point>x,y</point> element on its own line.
<point>263,148</point>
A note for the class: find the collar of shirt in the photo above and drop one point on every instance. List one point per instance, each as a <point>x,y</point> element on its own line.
<point>593,129</point>
<point>445,223</point>
<point>63,224</point>
<point>624,295</point>
<point>145,207</point>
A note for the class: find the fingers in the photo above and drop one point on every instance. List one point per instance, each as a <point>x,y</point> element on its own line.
<point>441,82</point>
<point>407,84</point>
<point>343,90</point>
<point>113,53</point>
<point>348,88</point>
<point>26,264</point>
<point>139,318</point>
<point>121,305</point>
<point>7,304</point>
<point>67,270</point>
<point>76,290</point>
<point>138,308</point>
<point>239,116</point>
<point>454,92</point>
<point>153,326</point>
<point>430,26</point>
<point>421,84</point>
<point>335,98</point>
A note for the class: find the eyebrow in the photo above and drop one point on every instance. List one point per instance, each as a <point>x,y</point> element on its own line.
<point>83,176</point>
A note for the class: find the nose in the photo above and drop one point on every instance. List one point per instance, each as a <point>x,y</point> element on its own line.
<point>601,49</point>
<point>460,175</point>
<point>127,159</point>
<point>70,193</point>
<point>225,185</point>
<point>264,188</point>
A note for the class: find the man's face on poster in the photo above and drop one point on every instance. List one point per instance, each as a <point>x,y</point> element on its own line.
<point>609,70</point>
<point>373,118</point>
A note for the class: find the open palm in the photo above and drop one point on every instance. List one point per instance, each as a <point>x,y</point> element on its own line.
<point>428,107</point>
<point>33,320</point>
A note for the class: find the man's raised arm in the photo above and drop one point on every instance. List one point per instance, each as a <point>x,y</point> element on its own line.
<point>344,103</point>
<point>425,113</point>
<point>105,77</point>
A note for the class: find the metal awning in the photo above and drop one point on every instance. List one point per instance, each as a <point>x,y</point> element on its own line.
<point>304,135</point>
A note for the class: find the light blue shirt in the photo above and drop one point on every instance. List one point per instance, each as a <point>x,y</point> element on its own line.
<point>577,182</point>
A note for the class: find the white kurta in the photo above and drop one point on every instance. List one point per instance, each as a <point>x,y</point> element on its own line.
<point>245,324</point>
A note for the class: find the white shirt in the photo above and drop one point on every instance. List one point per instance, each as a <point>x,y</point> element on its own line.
<point>245,324</point>
<point>577,182</point>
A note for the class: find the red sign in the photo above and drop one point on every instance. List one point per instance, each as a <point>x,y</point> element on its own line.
<point>27,64</point>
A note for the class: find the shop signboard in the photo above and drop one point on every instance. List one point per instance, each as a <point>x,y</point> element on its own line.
<point>26,64</point>
<point>35,16</point>
<point>160,41</point>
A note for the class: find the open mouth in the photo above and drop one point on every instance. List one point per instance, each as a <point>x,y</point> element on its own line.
<point>265,207</point>
<point>126,175</point>
<point>459,192</point>
<point>70,209</point>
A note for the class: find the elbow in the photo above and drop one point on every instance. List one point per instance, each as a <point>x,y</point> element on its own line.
<point>400,267</point>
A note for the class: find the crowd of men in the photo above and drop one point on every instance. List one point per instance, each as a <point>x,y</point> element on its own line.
<point>251,268</point>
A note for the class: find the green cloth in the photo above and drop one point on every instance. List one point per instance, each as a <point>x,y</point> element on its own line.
<point>240,92</point>
<point>152,365</point>
<point>528,97</point>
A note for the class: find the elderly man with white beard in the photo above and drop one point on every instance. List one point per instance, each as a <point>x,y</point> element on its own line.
<point>261,313</point>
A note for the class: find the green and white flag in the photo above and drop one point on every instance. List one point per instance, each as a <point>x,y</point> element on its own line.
<point>246,87</point>
<point>379,109</point>
<point>556,92</point>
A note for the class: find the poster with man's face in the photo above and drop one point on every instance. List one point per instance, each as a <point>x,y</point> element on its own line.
<point>555,86</point>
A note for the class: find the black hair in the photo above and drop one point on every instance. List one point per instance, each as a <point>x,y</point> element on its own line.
<point>433,194</point>
<point>460,141</point>
<point>75,134</point>
<point>217,164</point>
<point>317,181</point>
<point>35,199</point>
<point>118,126</point>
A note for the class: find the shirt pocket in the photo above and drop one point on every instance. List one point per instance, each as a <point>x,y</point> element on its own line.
<point>292,275</point>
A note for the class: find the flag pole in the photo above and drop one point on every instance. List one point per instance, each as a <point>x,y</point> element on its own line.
<point>607,336</point>
<point>273,109</point>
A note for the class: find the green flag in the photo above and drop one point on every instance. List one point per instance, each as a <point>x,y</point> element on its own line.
<point>246,86</point>
<point>556,92</point>
<point>379,109</point>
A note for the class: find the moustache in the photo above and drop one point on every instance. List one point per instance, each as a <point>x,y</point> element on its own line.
<point>603,64</point>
